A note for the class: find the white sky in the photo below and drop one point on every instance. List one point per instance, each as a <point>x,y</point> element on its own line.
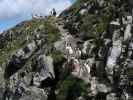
<point>13,12</point>
<point>13,8</point>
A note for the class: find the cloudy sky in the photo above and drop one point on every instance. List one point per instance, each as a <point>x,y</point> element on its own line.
<point>15,11</point>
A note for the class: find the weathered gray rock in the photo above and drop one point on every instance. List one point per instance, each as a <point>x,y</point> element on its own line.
<point>26,52</point>
<point>103,88</point>
<point>29,49</point>
<point>115,23</point>
<point>101,3</point>
<point>111,96</point>
<point>35,94</point>
<point>80,98</point>
<point>46,68</point>
<point>88,47</point>
<point>20,53</point>
<point>60,45</point>
<point>127,33</point>
<point>83,11</point>
<point>114,54</point>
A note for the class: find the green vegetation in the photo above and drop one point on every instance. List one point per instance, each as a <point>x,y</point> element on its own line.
<point>57,56</point>
<point>92,24</point>
<point>24,33</point>
<point>70,88</point>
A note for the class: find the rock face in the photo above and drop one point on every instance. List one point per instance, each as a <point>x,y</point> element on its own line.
<point>45,66</point>
<point>84,54</point>
<point>25,69</point>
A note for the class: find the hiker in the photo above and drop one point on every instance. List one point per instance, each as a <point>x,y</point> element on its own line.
<point>75,67</point>
<point>69,50</point>
<point>77,52</point>
<point>54,12</point>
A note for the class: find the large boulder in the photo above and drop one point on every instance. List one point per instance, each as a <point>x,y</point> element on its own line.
<point>83,11</point>
<point>35,94</point>
<point>111,96</point>
<point>114,54</point>
<point>45,67</point>
<point>13,66</point>
<point>127,33</point>
<point>103,88</point>
<point>27,51</point>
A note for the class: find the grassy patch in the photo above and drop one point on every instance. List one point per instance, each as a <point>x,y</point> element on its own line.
<point>24,33</point>
<point>92,24</point>
<point>70,88</point>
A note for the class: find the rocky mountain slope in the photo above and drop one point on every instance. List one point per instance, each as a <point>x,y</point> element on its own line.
<point>84,54</point>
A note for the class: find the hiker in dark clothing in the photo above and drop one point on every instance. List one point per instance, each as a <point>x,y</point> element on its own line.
<point>54,12</point>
